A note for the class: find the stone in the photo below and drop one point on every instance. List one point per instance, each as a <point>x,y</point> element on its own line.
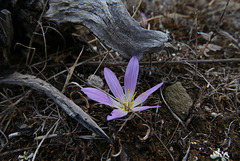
<point>95,81</point>
<point>178,100</point>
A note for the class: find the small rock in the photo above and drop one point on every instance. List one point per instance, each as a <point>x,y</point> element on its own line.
<point>95,81</point>
<point>178,100</point>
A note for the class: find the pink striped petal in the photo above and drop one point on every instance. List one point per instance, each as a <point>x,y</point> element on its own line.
<point>142,108</point>
<point>142,97</point>
<point>116,114</point>
<point>99,96</point>
<point>131,76</point>
<point>113,84</point>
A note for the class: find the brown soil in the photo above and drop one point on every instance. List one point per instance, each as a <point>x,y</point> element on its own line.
<point>213,120</point>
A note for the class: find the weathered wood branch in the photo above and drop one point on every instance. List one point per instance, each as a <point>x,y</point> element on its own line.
<point>65,103</point>
<point>110,21</point>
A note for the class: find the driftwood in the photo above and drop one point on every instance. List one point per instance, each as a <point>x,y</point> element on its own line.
<point>111,23</point>
<point>65,103</point>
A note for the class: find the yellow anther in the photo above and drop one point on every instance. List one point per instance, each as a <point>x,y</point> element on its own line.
<point>134,95</point>
<point>125,108</point>
<point>117,98</point>
<point>128,90</point>
<point>131,105</point>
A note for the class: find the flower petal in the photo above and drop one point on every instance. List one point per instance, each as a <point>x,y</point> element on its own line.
<point>114,84</point>
<point>142,108</point>
<point>117,113</point>
<point>99,96</point>
<point>142,97</point>
<point>131,75</point>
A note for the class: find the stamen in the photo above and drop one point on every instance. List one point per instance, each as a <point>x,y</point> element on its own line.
<point>125,108</point>
<point>134,95</point>
<point>117,98</point>
<point>131,105</point>
<point>128,90</point>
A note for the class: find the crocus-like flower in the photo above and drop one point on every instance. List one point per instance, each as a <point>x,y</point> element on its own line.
<point>125,101</point>
<point>143,20</point>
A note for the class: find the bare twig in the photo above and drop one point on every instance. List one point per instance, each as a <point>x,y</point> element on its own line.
<point>71,70</point>
<point>165,147</point>
<point>173,133</point>
<point>201,75</point>
<point>101,62</point>
<point>83,62</point>
<point>147,133</point>
<point>36,29</point>
<point>216,28</point>
<point>139,4</point>
<point>185,158</point>
<point>120,150</point>
<point>3,146</point>
<point>179,62</point>
<point>38,147</point>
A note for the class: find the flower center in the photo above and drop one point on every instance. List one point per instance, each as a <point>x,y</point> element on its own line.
<point>127,105</point>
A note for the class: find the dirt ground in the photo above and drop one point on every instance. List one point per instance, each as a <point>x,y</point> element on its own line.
<point>205,35</point>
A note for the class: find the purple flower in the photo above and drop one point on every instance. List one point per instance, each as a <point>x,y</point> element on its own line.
<point>125,101</point>
<point>143,22</point>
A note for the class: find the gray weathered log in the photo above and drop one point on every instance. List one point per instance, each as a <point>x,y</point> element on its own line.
<point>65,103</point>
<point>110,21</point>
